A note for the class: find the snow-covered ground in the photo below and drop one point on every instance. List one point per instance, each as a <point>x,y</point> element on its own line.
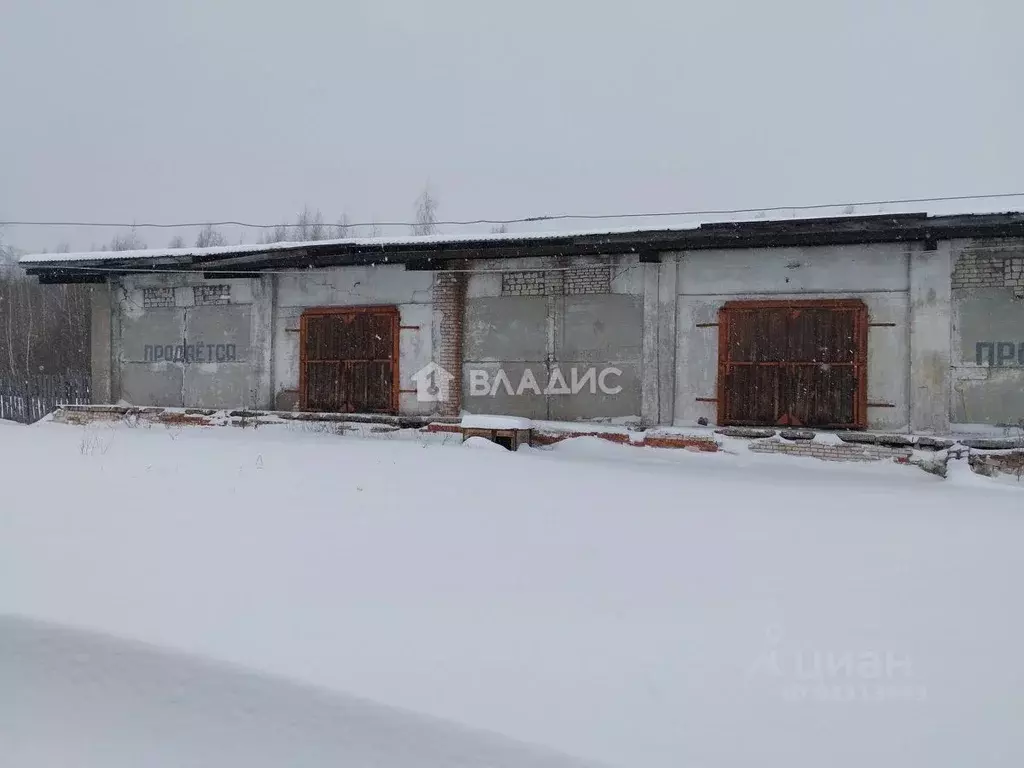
<point>627,606</point>
<point>81,699</point>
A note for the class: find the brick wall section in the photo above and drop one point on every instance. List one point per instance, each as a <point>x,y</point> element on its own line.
<point>522,283</point>
<point>1013,275</point>
<point>588,280</point>
<point>205,295</point>
<point>153,298</point>
<point>578,280</point>
<point>829,452</point>
<point>450,301</point>
<point>989,270</point>
<point>554,283</point>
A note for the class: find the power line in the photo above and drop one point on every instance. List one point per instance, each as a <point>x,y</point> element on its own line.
<point>524,219</point>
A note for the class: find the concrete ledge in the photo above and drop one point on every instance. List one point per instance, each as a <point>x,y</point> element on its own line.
<point>82,414</point>
<point>653,438</point>
<point>985,456</point>
<point>451,427</point>
<point>544,437</point>
<point>994,464</point>
<point>994,443</point>
<point>797,434</point>
<point>748,432</point>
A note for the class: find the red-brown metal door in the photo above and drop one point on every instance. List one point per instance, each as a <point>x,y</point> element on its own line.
<point>349,360</point>
<point>797,363</point>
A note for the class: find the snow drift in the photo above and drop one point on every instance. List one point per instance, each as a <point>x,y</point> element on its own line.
<point>636,607</point>
<point>92,701</point>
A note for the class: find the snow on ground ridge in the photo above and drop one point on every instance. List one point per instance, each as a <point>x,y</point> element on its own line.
<point>608,602</point>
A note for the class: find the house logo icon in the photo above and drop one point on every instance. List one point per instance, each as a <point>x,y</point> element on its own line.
<point>432,384</point>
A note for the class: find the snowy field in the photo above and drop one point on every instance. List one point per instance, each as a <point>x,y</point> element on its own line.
<point>622,606</point>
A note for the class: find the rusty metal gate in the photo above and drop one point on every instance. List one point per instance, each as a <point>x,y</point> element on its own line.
<point>349,360</point>
<point>796,363</point>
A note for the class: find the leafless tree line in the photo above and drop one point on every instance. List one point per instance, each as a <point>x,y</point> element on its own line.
<point>310,225</point>
<point>43,328</point>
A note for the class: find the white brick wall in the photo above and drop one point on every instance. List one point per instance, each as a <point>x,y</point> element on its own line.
<point>990,270</point>
<point>829,452</point>
<point>157,297</point>
<point>588,280</point>
<point>522,284</point>
<point>211,294</point>
<point>578,280</point>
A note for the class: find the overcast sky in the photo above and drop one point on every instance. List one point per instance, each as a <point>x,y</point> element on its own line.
<point>213,109</point>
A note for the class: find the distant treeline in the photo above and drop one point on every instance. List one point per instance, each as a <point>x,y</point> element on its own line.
<point>44,329</point>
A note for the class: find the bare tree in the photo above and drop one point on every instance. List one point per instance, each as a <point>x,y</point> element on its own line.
<point>310,226</point>
<point>45,327</point>
<point>127,242</point>
<point>426,213</point>
<point>343,228</point>
<point>278,234</point>
<point>177,242</point>
<point>210,238</point>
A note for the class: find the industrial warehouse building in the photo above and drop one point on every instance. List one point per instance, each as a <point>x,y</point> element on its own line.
<point>889,322</point>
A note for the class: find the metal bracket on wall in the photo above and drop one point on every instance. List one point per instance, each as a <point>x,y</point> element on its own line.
<point>705,325</point>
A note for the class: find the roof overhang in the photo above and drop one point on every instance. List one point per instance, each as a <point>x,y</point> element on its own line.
<point>432,253</point>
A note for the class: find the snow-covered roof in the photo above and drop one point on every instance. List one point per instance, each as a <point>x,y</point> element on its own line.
<point>418,241</point>
<point>764,229</point>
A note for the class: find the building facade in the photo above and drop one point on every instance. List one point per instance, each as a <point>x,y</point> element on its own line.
<point>904,322</point>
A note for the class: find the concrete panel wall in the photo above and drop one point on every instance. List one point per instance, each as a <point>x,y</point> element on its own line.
<point>930,305</point>
<point>878,275</point>
<point>101,356</point>
<point>603,332</point>
<point>580,314</point>
<point>602,328</point>
<point>505,388</point>
<point>666,328</point>
<point>351,287</point>
<point>506,329</point>
<point>839,269</point>
<point>212,359</point>
<point>510,334</point>
<point>537,342</point>
<point>153,384</point>
<point>987,333</point>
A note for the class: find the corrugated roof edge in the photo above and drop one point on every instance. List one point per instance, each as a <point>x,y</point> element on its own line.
<point>428,252</point>
<point>418,241</point>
